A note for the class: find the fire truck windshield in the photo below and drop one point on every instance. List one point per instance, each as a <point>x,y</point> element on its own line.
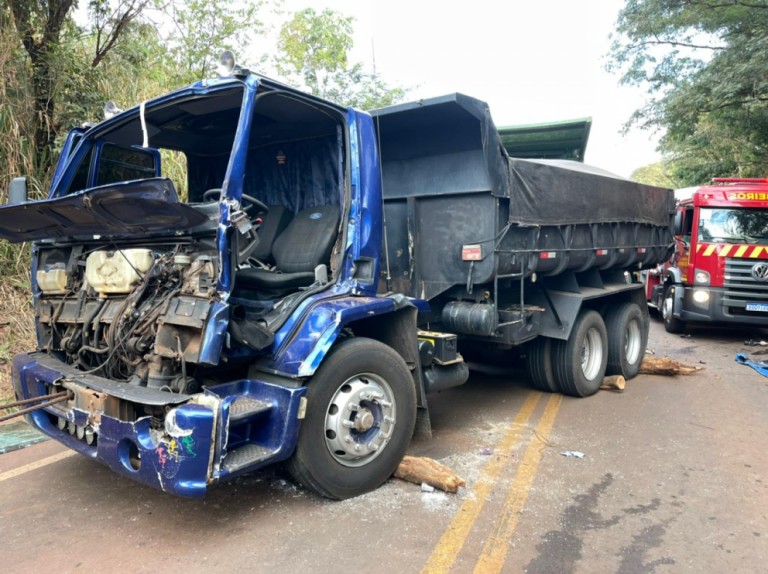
<point>722,225</point>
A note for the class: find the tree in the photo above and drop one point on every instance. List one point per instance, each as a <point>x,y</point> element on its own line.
<point>314,51</point>
<point>39,26</point>
<point>703,63</point>
<point>204,29</point>
<point>654,174</point>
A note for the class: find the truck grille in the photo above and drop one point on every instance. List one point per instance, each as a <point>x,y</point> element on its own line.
<point>741,287</point>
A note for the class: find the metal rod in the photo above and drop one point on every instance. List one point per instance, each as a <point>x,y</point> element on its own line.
<point>34,400</point>
<point>31,409</point>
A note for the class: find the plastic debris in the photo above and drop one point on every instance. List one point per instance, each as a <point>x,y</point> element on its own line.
<point>572,454</point>
<point>754,343</point>
<point>760,366</point>
<point>486,452</point>
<point>427,487</point>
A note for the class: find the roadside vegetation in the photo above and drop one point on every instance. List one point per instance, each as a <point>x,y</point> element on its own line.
<point>703,64</point>
<point>61,61</point>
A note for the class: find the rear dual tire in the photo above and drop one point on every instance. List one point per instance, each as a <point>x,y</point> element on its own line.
<point>539,365</point>
<point>627,339</point>
<point>579,363</point>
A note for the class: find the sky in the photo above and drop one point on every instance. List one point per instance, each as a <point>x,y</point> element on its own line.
<point>532,61</point>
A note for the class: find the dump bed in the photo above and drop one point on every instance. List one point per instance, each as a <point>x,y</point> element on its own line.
<point>450,188</point>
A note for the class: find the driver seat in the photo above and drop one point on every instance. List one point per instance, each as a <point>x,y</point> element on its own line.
<point>306,243</point>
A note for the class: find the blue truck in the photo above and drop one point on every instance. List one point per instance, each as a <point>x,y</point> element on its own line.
<point>237,274</point>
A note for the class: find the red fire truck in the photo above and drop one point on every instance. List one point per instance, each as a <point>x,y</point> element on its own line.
<point>719,269</point>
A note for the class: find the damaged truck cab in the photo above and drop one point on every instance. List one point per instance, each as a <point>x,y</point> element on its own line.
<point>197,258</point>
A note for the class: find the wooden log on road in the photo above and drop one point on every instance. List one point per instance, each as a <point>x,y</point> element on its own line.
<point>666,367</point>
<point>422,469</point>
<point>614,383</point>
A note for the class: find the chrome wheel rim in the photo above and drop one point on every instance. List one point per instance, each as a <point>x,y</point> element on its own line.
<point>360,419</point>
<point>633,342</point>
<point>666,307</point>
<point>591,354</point>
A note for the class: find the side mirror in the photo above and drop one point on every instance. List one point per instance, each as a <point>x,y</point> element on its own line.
<point>17,191</point>
<point>678,225</point>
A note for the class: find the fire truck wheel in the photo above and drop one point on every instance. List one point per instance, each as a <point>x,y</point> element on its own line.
<point>579,363</point>
<point>627,339</point>
<point>361,412</point>
<point>540,365</point>
<point>671,324</point>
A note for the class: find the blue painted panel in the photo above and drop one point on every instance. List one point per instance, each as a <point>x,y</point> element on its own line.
<point>312,338</point>
<point>214,334</point>
<point>276,429</point>
<point>176,464</point>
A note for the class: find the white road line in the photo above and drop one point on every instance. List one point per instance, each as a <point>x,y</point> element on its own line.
<point>35,465</point>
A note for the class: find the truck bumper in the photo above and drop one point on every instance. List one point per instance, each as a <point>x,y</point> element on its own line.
<point>176,443</point>
<point>714,309</point>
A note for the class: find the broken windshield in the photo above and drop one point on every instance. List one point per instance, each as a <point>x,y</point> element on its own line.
<point>188,140</point>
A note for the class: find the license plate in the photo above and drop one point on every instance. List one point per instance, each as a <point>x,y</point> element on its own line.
<point>761,307</point>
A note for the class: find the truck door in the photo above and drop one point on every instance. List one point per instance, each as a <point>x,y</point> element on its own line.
<point>683,241</point>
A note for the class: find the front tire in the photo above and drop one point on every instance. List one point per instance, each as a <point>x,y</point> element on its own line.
<point>361,412</point>
<point>627,339</point>
<point>671,324</point>
<point>579,363</point>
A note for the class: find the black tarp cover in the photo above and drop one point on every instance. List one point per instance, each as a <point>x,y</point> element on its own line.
<point>541,192</point>
<point>561,192</point>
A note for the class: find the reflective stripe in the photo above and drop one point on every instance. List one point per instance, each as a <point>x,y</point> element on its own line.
<point>725,250</point>
<point>741,250</point>
<point>710,250</point>
<point>756,252</point>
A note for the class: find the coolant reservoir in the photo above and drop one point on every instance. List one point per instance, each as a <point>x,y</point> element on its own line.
<point>115,272</point>
<point>52,281</point>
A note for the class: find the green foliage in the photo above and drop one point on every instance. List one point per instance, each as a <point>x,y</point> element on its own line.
<point>656,174</point>
<point>314,51</point>
<point>704,64</point>
<point>204,29</point>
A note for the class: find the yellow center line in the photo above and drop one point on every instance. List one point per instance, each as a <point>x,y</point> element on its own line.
<point>495,550</point>
<point>35,465</point>
<point>449,546</point>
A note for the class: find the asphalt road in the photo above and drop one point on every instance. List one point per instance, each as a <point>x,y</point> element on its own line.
<point>673,479</point>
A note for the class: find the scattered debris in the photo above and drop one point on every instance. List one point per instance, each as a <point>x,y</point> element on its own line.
<point>667,367</point>
<point>685,336</point>
<point>486,451</point>
<point>572,454</point>
<point>427,487</point>
<point>754,343</point>
<point>423,470</point>
<point>614,383</point>
<point>760,366</point>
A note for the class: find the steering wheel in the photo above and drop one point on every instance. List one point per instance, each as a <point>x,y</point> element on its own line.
<point>252,201</point>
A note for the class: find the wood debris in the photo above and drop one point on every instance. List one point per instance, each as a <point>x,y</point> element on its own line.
<point>666,367</point>
<point>426,470</point>
<point>614,383</point>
